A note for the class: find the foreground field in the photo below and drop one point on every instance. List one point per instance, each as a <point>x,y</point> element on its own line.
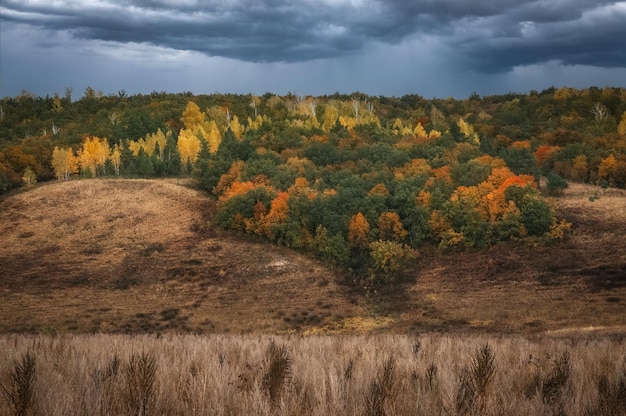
<point>317,375</point>
<point>142,256</point>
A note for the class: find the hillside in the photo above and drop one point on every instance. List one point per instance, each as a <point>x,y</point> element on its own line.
<point>141,255</point>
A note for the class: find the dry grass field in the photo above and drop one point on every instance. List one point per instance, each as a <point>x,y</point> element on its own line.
<point>370,375</point>
<point>128,256</point>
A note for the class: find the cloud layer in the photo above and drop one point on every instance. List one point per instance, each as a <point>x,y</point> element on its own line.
<point>379,47</point>
<point>484,34</point>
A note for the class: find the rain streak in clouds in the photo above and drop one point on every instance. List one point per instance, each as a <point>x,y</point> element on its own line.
<point>394,47</point>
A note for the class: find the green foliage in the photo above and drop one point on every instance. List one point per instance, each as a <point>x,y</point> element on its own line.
<point>555,183</point>
<point>521,161</point>
<point>536,215</point>
<point>470,173</point>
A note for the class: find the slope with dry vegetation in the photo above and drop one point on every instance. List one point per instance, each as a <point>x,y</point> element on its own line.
<point>142,256</point>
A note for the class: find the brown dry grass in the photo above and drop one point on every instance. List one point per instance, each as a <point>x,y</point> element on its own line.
<point>141,256</point>
<point>324,375</point>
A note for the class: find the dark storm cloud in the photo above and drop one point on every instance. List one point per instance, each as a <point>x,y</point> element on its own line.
<point>588,36</point>
<point>487,35</point>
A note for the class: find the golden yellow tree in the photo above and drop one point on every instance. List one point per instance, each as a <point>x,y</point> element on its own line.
<point>468,131</point>
<point>330,117</point>
<point>64,163</point>
<point>134,147</point>
<point>192,116</point>
<point>188,146</point>
<point>236,128</point>
<point>580,168</point>
<point>160,139</point>
<point>420,132</point>
<point>213,136</point>
<point>94,153</point>
<point>621,127</point>
<point>116,158</point>
<point>607,167</point>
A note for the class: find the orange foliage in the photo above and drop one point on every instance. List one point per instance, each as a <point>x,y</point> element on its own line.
<point>423,198</point>
<point>493,204</point>
<point>519,180</point>
<point>438,224</point>
<point>390,227</point>
<point>301,187</point>
<point>414,168</point>
<point>359,231</point>
<point>318,138</point>
<point>544,152</point>
<point>520,144</point>
<point>279,209</point>
<point>443,172</point>
<point>498,176</point>
<point>494,162</point>
<point>227,179</point>
<point>607,167</point>
<point>379,190</point>
<point>237,188</point>
<point>255,225</point>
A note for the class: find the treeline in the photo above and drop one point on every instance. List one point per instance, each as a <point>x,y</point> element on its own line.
<point>361,181</point>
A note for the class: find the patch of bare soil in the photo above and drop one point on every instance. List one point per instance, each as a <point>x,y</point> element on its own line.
<point>141,256</point>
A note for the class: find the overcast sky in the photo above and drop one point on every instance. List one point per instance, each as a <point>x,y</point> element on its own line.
<point>435,48</point>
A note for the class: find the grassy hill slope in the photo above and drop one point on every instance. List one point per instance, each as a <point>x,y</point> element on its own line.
<point>139,255</point>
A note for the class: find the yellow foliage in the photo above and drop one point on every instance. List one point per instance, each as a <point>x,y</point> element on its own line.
<point>468,131</point>
<point>347,122</point>
<point>116,158</point>
<point>390,257</point>
<point>330,117</point>
<point>420,132</point>
<point>64,163</point>
<point>192,116</point>
<point>134,147</point>
<point>161,139</point>
<point>607,167</point>
<point>94,153</point>
<point>188,146</point>
<point>213,136</point>
<point>434,134</point>
<point>621,127</point>
<point>397,125</point>
<point>558,229</point>
<point>236,128</point>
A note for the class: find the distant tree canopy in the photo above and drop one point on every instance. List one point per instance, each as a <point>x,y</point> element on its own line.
<point>346,177</point>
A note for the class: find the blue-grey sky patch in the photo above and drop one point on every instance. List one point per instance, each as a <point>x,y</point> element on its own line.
<point>394,47</point>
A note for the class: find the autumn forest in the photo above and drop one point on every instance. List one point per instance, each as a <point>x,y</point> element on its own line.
<point>359,181</point>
